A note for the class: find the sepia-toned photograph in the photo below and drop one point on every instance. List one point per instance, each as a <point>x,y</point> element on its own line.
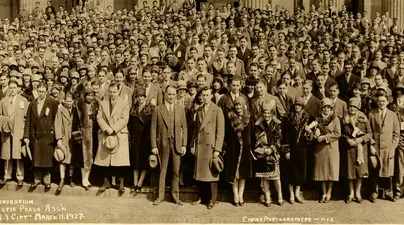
<point>202,111</point>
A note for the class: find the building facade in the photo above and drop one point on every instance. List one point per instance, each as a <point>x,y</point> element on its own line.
<point>10,8</point>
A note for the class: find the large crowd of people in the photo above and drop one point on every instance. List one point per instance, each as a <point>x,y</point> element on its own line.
<point>204,96</point>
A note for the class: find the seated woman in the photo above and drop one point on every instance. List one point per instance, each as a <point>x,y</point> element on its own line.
<point>268,148</point>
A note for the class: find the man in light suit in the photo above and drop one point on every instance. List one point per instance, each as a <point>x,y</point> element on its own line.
<point>153,92</point>
<point>113,117</point>
<point>207,142</point>
<point>168,134</point>
<point>14,107</point>
<point>386,133</point>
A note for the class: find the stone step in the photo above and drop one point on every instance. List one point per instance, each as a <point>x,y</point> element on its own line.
<point>187,194</point>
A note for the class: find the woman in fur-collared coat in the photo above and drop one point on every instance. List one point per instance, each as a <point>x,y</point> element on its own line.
<point>237,160</point>
<point>84,134</point>
<point>139,130</point>
<point>356,133</point>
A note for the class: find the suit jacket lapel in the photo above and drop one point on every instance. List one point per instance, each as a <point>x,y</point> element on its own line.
<point>117,107</point>
<point>208,116</point>
<point>44,107</point>
<point>164,113</point>
<point>105,107</point>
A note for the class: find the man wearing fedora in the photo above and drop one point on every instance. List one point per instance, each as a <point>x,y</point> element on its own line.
<point>14,107</point>
<point>207,142</point>
<point>113,149</point>
<point>39,134</point>
<point>168,136</point>
<point>386,132</point>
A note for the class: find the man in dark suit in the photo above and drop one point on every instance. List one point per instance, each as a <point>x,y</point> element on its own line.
<point>312,104</point>
<point>154,95</point>
<point>39,135</point>
<point>347,81</point>
<point>243,52</point>
<point>178,49</point>
<point>168,136</point>
<point>207,143</point>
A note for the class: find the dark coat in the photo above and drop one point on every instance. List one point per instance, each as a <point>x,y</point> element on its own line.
<point>139,130</point>
<point>312,108</point>
<point>238,149</point>
<point>40,130</point>
<point>345,88</point>
<point>295,168</point>
<point>83,151</point>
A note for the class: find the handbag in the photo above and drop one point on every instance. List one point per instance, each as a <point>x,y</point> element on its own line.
<point>77,136</point>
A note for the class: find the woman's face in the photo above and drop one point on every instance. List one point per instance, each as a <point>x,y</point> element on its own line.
<point>238,108</point>
<point>399,93</point>
<point>216,85</point>
<point>74,81</point>
<point>181,93</point>
<point>267,115</point>
<point>140,99</point>
<point>298,108</point>
<point>68,102</point>
<point>89,98</point>
<point>352,110</point>
<point>357,92</point>
<point>192,90</point>
<point>326,110</point>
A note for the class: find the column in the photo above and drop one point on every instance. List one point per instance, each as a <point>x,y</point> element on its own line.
<point>306,4</point>
<point>395,9</point>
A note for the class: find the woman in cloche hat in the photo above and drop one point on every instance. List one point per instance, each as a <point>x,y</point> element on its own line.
<point>326,130</point>
<point>238,162</point>
<point>294,169</point>
<point>356,133</point>
<point>139,130</point>
<point>267,151</point>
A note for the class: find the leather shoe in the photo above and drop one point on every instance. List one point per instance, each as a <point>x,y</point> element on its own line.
<point>20,183</point>
<point>268,203</point>
<point>210,206</point>
<point>327,199</point>
<point>122,190</point>
<point>138,189</point>
<point>397,197</point>
<point>87,187</point>
<point>348,200</point>
<point>61,184</point>
<point>179,203</point>
<point>157,202</point>
<point>102,189</point>
<point>34,185</point>
<point>48,186</point>
<point>241,203</point>
<point>359,200</point>
<point>391,198</point>
<point>199,201</point>
<point>3,182</point>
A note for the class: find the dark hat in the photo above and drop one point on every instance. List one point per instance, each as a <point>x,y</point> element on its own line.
<point>59,153</point>
<point>139,91</point>
<point>216,164</point>
<point>399,86</point>
<point>251,81</point>
<point>111,144</point>
<point>154,161</point>
<point>192,84</point>
<point>300,101</point>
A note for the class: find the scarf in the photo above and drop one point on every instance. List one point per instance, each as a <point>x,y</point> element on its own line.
<point>323,122</point>
<point>352,120</point>
<point>239,123</point>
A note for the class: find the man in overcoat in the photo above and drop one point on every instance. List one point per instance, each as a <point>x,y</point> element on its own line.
<point>39,134</point>
<point>168,135</point>
<point>207,143</point>
<point>14,107</point>
<point>113,117</point>
<point>386,132</point>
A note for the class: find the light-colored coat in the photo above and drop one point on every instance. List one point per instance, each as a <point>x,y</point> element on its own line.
<point>18,123</point>
<point>117,120</point>
<point>386,135</point>
<point>156,94</point>
<point>63,131</point>
<point>208,137</point>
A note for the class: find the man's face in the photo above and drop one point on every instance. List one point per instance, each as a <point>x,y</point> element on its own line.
<point>206,96</point>
<point>147,78</point>
<point>307,89</point>
<point>334,92</point>
<point>320,81</point>
<point>235,87</point>
<point>113,92</point>
<point>382,102</point>
<point>119,78</point>
<point>170,95</point>
<point>13,88</point>
<point>3,81</point>
<point>41,93</point>
<point>201,65</point>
